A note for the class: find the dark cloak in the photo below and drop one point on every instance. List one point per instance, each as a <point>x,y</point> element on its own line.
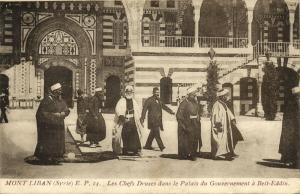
<point>50,128</point>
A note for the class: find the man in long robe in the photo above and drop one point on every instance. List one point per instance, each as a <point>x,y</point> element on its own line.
<point>81,114</point>
<point>154,107</point>
<point>189,126</point>
<point>290,124</point>
<point>50,117</point>
<point>128,127</point>
<point>222,120</point>
<point>96,128</point>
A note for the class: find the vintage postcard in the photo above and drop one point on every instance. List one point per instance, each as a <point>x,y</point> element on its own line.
<point>150,96</point>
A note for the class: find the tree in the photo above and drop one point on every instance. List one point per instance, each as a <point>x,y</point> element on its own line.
<point>269,90</point>
<point>212,81</point>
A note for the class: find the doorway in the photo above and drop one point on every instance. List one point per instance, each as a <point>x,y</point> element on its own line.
<point>64,76</point>
<point>166,90</point>
<point>113,91</point>
<point>4,84</point>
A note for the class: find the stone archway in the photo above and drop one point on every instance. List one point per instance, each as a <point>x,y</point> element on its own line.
<point>59,23</point>
<point>269,21</point>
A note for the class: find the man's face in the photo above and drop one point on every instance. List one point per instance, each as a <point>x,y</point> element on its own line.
<point>57,93</point>
<point>129,94</point>
<point>192,96</point>
<point>156,93</point>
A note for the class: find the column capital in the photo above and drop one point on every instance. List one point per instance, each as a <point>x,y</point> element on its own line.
<point>197,4</point>
<point>250,15</point>
<point>291,4</point>
<point>292,17</point>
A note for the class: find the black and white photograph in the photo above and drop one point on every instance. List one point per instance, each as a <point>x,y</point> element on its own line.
<point>150,96</point>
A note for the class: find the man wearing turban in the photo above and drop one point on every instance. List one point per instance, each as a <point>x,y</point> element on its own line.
<point>50,117</point>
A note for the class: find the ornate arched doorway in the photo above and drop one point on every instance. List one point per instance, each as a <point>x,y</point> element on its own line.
<point>61,42</point>
<point>62,75</point>
<point>270,21</point>
<point>113,91</point>
<point>166,90</point>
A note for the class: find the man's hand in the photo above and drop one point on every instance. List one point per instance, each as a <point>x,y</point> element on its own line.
<point>142,121</point>
<point>63,114</point>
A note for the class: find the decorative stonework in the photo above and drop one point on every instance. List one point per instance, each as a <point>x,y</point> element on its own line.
<point>113,61</point>
<point>88,23</point>
<point>58,43</point>
<point>93,76</point>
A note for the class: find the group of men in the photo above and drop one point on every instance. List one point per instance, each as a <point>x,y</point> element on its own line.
<point>129,124</point>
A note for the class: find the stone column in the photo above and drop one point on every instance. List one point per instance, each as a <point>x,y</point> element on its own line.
<point>197,7</point>
<point>291,20</point>
<point>196,20</point>
<point>250,19</point>
<point>134,11</point>
<point>259,107</point>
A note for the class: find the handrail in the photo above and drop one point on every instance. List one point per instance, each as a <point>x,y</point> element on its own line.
<point>159,40</point>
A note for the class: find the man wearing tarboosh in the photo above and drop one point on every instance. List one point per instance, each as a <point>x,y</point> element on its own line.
<point>127,125</point>
<point>189,126</point>
<point>51,127</point>
<point>96,128</point>
<point>222,119</point>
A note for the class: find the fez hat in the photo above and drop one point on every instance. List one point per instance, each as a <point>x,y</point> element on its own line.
<point>55,86</point>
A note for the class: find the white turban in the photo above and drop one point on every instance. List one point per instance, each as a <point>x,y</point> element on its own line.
<point>222,92</point>
<point>55,86</point>
<point>296,90</point>
<point>98,89</point>
<point>128,88</point>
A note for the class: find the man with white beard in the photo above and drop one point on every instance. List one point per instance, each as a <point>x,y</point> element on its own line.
<point>127,125</point>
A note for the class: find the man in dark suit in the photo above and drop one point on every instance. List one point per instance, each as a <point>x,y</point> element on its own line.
<point>154,107</point>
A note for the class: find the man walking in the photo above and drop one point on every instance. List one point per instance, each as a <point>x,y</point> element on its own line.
<point>189,126</point>
<point>128,127</point>
<point>223,140</point>
<point>3,107</point>
<point>154,107</point>
<point>81,114</point>
<point>96,128</point>
<point>51,127</point>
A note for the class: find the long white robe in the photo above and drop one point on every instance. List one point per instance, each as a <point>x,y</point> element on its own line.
<point>221,133</point>
<point>120,110</point>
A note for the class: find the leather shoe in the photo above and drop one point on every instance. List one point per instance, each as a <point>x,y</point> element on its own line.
<point>148,148</point>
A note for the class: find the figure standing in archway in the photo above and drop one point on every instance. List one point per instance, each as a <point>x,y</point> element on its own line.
<point>50,117</point>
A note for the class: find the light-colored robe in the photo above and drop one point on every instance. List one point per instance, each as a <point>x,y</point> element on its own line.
<point>120,110</point>
<point>221,133</point>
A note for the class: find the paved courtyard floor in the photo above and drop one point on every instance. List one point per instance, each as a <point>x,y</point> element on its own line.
<point>258,155</point>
